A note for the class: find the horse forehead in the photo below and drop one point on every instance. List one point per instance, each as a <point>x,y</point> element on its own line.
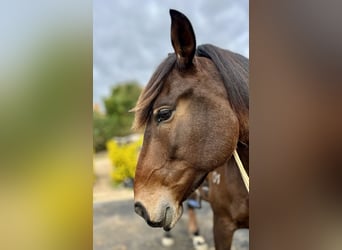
<point>204,78</point>
<point>175,86</point>
<point>179,82</point>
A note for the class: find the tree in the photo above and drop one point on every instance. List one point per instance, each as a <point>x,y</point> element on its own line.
<point>123,98</point>
<point>118,120</point>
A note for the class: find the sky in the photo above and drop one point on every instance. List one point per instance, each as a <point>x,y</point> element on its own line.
<point>131,37</point>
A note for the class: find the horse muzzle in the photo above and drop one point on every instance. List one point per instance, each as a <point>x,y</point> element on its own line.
<point>164,215</point>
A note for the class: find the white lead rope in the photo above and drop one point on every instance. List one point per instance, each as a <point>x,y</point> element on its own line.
<point>243,172</point>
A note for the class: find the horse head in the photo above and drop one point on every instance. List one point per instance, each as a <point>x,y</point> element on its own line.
<point>191,128</point>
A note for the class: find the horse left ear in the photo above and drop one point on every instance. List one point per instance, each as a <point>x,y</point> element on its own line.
<point>182,38</point>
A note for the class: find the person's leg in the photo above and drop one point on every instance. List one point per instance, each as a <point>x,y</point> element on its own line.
<point>192,222</point>
<point>197,240</point>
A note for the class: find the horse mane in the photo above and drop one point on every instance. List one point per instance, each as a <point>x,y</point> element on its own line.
<point>232,67</point>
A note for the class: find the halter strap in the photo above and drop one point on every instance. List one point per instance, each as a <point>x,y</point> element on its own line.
<point>243,172</point>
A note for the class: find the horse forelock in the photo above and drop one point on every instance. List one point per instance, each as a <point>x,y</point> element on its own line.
<point>146,99</point>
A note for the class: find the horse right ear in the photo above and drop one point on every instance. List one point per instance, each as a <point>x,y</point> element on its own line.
<point>182,38</point>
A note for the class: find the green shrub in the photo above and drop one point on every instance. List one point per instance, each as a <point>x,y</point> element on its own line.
<point>106,127</point>
<point>103,130</point>
<point>116,120</point>
<point>124,159</point>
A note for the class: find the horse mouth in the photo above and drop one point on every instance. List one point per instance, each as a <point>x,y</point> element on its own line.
<point>164,214</point>
<point>167,219</point>
<point>167,223</point>
<point>171,217</point>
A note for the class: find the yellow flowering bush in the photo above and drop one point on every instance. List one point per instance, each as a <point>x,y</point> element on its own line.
<point>124,159</point>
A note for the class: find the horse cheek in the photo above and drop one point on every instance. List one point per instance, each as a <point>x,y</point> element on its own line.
<point>219,142</point>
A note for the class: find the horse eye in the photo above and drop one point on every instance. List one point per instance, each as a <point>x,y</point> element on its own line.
<point>163,115</point>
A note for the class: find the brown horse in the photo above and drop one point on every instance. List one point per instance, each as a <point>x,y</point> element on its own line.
<point>195,112</point>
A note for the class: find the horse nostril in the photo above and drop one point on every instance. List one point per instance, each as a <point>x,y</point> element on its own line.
<point>140,209</point>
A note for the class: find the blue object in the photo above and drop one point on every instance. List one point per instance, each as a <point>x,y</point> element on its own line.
<point>193,203</point>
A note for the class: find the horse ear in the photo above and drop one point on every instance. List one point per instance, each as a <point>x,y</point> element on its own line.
<point>182,38</point>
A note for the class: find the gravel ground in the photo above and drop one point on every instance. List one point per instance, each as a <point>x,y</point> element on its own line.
<point>117,227</point>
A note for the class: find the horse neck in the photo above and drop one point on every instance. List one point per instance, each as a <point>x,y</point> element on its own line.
<point>243,151</point>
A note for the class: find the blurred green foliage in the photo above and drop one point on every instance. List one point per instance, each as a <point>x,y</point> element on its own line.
<point>123,98</point>
<point>117,120</point>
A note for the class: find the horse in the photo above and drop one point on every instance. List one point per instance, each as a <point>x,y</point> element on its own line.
<point>195,113</point>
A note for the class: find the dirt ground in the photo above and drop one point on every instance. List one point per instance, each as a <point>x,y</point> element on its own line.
<point>117,227</point>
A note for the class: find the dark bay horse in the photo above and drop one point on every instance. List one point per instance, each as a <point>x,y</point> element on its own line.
<point>195,111</point>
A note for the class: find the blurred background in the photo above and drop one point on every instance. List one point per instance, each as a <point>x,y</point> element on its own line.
<point>46,124</point>
<point>130,39</point>
<point>49,59</point>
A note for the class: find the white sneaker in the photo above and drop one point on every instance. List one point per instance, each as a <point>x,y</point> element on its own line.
<point>167,241</point>
<point>199,243</point>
